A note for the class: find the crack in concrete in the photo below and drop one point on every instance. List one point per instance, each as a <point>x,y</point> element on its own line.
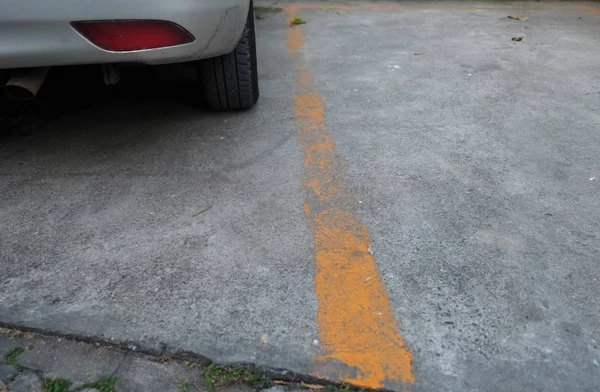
<point>174,354</point>
<point>125,355</point>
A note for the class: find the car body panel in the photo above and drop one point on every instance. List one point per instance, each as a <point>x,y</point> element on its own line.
<point>36,33</point>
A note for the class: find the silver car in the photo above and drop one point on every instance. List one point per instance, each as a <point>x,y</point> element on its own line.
<point>216,36</point>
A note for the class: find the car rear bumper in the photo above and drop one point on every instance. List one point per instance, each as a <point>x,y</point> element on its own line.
<point>36,33</point>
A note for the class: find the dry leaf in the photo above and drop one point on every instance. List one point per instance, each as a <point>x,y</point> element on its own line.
<point>513,17</point>
<point>517,39</point>
<point>311,386</point>
<point>524,19</point>
<point>339,13</point>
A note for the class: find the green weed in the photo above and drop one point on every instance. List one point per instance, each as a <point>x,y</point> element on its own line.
<point>297,21</point>
<point>10,358</point>
<point>217,376</point>
<point>56,385</point>
<point>105,384</point>
<point>183,385</point>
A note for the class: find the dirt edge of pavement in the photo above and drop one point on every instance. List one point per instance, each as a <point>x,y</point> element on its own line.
<point>167,354</point>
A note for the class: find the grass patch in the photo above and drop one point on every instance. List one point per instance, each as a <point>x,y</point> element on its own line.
<point>221,376</point>
<point>183,385</point>
<point>341,388</point>
<point>268,9</point>
<point>105,384</point>
<point>10,358</point>
<point>297,21</point>
<point>56,384</point>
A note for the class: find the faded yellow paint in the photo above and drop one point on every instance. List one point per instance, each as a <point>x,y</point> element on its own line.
<point>304,79</point>
<point>307,210</point>
<point>357,328</point>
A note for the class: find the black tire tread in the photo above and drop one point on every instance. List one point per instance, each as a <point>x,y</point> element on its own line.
<point>231,81</point>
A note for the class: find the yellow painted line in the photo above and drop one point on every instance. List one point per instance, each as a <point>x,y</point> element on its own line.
<point>359,338</point>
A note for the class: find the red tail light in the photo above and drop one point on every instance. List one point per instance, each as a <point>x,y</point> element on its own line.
<point>126,35</point>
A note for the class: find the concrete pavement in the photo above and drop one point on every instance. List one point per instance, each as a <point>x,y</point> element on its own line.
<point>37,360</point>
<point>412,204</point>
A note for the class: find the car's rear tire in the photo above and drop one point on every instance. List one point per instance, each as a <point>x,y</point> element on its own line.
<point>231,80</point>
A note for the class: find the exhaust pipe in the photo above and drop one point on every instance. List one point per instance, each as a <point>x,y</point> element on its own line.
<point>24,84</point>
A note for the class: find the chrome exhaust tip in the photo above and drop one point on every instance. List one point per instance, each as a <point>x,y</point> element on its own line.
<point>24,84</point>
